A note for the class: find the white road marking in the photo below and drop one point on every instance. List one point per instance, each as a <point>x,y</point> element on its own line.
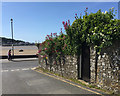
<point>12,70</point>
<point>5,70</point>
<point>26,69</point>
<point>16,70</point>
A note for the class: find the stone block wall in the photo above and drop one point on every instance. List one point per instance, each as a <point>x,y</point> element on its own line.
<point>108,72</point>
<point>66,67</point>
<point>108,67</point>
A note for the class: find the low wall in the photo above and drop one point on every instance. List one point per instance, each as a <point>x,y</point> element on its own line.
<point>108,68</point>
<point>67,66</point>
<point>19,56</point>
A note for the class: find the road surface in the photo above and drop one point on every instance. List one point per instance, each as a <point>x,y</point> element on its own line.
<point>19,78</point>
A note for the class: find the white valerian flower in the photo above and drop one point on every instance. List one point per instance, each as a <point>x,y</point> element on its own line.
<point>102,12</point>
<point>101,34</point>
<point>92,31</point>
<point>104,40</point>
<point>95,27</point>
<point>115,30</point>
<point>95,46</point>
<point>105,12</point>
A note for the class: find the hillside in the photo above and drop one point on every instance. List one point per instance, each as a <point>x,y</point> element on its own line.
<point>8,42</point>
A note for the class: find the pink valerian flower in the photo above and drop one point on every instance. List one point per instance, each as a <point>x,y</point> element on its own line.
<point>66,25</point>
<point>86,9</point>
<point>39,51</point>
<point>76,14</point>
<point>40,44</point>
<point>64,37</point>
<point>69,22</point>
<point>61,31</point>
<point>51,34</point>
<point>45,48</point>
<point>47,35</point>
<point>63,22</point>
<point>55,43</point>
<point>50,39</point>
<point>44,42</point>
<point>54,34</point>
<point>48,43</point>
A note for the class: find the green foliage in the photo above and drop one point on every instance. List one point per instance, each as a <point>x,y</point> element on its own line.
<point>96,29</point>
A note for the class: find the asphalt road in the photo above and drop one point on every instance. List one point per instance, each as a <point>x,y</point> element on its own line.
<point>19,78</point>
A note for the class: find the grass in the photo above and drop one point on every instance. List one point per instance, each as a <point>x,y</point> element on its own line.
<point>76,81</point>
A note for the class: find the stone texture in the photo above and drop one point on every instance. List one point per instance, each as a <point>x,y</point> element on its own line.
<point>108,72</point>
<point>108,67</point>
<point>67,67</point>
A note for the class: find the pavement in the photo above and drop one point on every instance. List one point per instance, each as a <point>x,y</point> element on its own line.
<point>18,77</point>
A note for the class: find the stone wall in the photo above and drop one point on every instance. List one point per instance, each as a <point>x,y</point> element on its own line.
<point>67,66</point>
<point>108,72</point>
<point>108,67</point>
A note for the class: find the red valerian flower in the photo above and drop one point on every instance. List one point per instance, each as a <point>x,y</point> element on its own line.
<point>51,39</point>
<point>39,51</point>
<point>51,34</point>
<point>61,30</point>
<point>66,23</point>
<point>54,34</point>
<point>63,22</point>
<point>86,8</point>
<point>47,35</point>
<point>48,43</point>
<point>75,13</point>
<point>40,44</point>
<point>69,22</point>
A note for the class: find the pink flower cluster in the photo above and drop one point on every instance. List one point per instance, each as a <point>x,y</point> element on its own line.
<point>39,51</point>
<point>66,24</point>
<point>86,9</point>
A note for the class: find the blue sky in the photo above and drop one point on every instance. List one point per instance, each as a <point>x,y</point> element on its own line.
<point>33,21</point>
